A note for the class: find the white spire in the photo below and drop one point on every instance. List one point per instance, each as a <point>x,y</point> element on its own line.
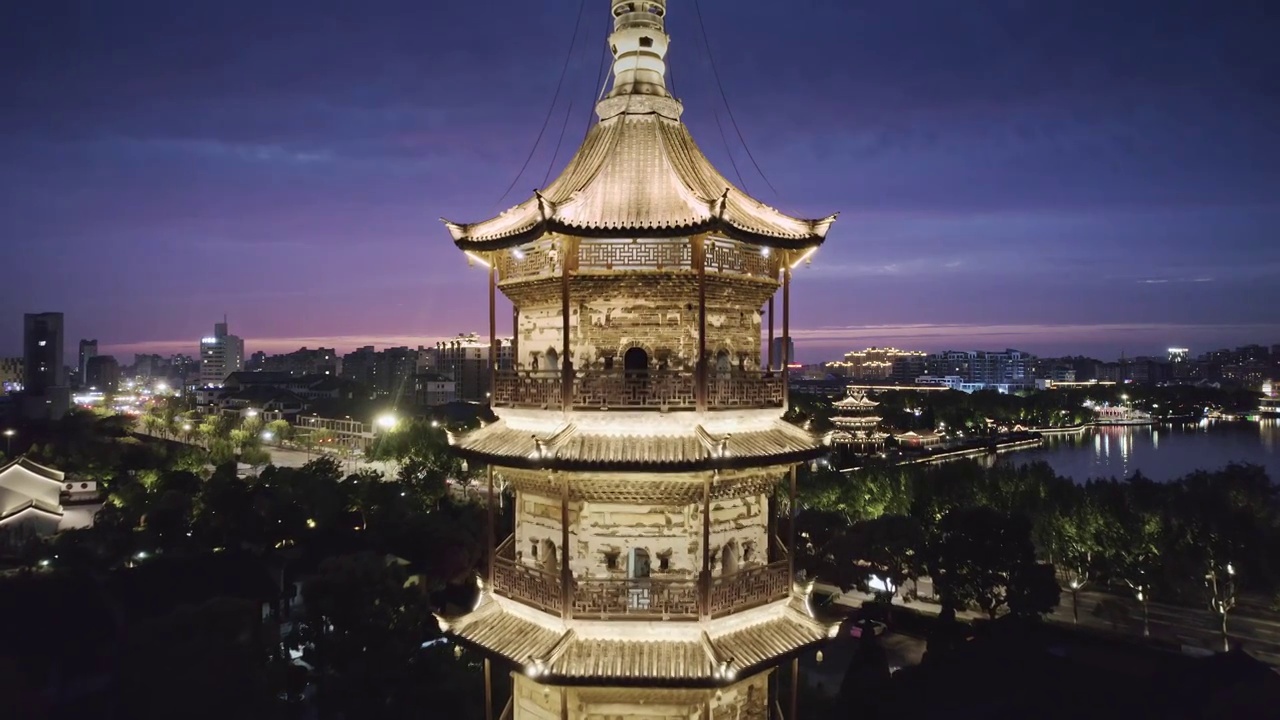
<point>639,44</point>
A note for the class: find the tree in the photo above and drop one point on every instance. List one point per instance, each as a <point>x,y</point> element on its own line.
<point>979,556</point>
<point>888,548</point>
<point>206,659</point>
<point>364,630</point>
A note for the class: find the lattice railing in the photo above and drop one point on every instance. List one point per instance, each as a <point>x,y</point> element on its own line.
<point>530,585</point>
<point>603,389</point>
<point>730,257</point>
<point>543,259</point>
<point>635,255</point>
<point>534,261</point>
<point>651,598</point>
<point>750,587</point>
<point>529,390</point>
<point>745,389</point>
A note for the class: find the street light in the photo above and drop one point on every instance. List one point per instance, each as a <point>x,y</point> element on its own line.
<point>386,422</point>
<point>267,436</point>
<point>8,440</point>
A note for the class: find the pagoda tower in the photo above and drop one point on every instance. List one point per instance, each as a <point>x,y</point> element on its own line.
<point>857,423</point>
<point>641,429</point>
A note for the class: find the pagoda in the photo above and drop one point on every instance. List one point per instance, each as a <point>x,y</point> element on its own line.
<point>857,423</point>
<point>640,429</point>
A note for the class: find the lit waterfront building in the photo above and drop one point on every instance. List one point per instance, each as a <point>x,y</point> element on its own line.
<point>878,363</point>
<point>639,427</point>
<point>857,423</point>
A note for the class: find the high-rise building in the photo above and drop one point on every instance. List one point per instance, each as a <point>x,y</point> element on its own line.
<point>10,374</point>
<point>102,373</point>
<point>1178,355</point>
<point>305,361</point>
<point>643,577</point>
<point>46,395</point>
<point>220,355</point>
<point>42,352</point>
<point>982,367</point>
<point>88,349</point>
<point>465,359</point>
<point>779,346</point>
<point>878,363</point>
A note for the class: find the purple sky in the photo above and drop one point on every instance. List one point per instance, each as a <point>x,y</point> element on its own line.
<point>1053,175</point>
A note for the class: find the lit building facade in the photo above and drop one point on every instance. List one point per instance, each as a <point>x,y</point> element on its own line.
<point>46,393</point>
<point>220,355</point>
<point>640,427</point>
<point>88,349</point>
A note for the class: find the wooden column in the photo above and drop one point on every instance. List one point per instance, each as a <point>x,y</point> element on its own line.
<point>770,554</point>
<point>515,337</point>
<point>791,528</point>
<point>700,374</point>
<point>493,327</point>
<point>488,690</point>
<point>567,247</point>
<point>795,688</point>
<point>770,348</point>
<point>566,576</point>
<point>493,547</point>
<point>705,575</point>
<point>786,335</point>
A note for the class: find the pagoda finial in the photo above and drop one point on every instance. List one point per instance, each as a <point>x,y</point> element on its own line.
<point>639,44</point>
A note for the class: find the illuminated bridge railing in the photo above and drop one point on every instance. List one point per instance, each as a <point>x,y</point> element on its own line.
<point>653,390</point>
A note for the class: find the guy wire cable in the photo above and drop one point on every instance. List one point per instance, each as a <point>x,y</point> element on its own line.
<point>554,99</point>
<point>702,26</point>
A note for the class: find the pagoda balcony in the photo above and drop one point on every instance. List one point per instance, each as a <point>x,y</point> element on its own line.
<point>544,260</point>
<point>652,390</point>
<point>650,598</point>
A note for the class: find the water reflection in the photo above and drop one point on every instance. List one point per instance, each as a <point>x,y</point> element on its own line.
<point>1163,452</point>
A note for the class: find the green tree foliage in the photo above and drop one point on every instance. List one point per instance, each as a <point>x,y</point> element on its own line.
<point>370,635</point>
<point>981,557</point>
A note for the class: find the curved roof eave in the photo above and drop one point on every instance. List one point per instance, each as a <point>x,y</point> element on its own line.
<point>464,242</point>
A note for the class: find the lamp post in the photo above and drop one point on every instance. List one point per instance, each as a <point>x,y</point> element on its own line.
<point>8,441</point>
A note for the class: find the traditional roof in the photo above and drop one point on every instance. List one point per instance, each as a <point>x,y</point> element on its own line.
<point>857,402</point>
<point>28,486</point>
<point>705,653</point>
<point>641,176</point>
<point>569,447</point>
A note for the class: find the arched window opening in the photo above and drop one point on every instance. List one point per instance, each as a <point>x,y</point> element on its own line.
<point>636,362</point>
<point>549,561</point>
<point>553,360</point>
<point>729,558</point>
<point>638,564</point>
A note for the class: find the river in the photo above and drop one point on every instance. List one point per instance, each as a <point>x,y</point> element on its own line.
<point>1161,452</point>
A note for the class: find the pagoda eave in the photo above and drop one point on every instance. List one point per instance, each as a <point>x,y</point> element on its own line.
<point>714,226</point>
<point>524,462</point>
<point>705,654</point>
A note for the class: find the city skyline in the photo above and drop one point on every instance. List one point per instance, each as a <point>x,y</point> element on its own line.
<point>1055,179</point>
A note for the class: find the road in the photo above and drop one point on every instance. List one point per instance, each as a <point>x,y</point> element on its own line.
<point>1191,628</point>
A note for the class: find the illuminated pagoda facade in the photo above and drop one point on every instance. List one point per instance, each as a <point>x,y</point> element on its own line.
<point>640,427</point>
<point>857,423</point>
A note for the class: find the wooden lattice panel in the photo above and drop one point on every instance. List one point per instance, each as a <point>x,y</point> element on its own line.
<point>650,597</point>
<point>634,254</point>
<point>748,588</point>
<point>730,257</point>
<point>527,390</point>
<point>526,584</point>
<point>645,489</point>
